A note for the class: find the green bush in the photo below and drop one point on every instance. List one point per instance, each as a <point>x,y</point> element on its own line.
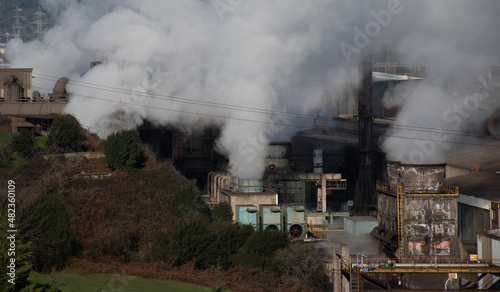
<point>123,151</point>
<point>187,241</point>
<point>300,264</point>
<point>21,254</point>
<point>41,141</point>
<point>222,212</point>
<point>48,227</point>
<point>188,202</point>
<point>229,238</point>
<point>195,240</point>
<point>6,154</point>
<point>24,143</point>
<point>65,133</point>
<point>259,249</point>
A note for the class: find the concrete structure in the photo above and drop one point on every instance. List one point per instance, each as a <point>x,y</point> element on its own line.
<point>256,199</point>
<point>488,249</point>
<point>426,223</point>
<point>278,157</point>
<point>359,224</point>
<point>297,188</point>
<point>416,178</point>
<point>478,204</point>
<point>16,84</point>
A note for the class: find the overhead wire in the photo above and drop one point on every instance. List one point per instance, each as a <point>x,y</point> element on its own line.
<point>251,109</point>
<point>240,108</point>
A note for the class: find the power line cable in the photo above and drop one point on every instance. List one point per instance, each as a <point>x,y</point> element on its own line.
<point>249,109</point>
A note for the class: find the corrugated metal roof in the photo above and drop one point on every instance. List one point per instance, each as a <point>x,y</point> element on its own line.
<point>477,189</point>
<point>381,77</point>
<point>487,155</point>
<point>474,202</point>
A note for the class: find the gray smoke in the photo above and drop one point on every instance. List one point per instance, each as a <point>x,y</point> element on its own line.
<point>448,109</point>
<point>231,63</point>
<point>234,63</point>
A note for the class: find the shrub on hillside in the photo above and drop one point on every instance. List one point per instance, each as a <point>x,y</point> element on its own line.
<point>187,241</point>
<point>48,227</point>
<point>222,212</point>
<point>6,153</point>
<point>229,238</point>
<point>188,202</point>
<point>300,264</point>
<point>21,255</point>
<point>195,240</point>
<point>259,249</point>
<point>123,151</point>
<point>24,143</point>
<point>65,134</point>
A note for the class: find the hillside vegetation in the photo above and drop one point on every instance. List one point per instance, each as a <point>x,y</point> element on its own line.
<point>146,220</point>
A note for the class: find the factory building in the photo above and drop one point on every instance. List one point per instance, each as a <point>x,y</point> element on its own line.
<point>475,172</point>
<point>415,206</point>
<point>15,84</point>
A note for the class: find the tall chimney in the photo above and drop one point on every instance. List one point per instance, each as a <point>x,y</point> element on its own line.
<point>365,185</point>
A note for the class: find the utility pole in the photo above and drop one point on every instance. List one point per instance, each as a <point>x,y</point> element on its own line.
<point>40,21</point>
<point>17,26</point>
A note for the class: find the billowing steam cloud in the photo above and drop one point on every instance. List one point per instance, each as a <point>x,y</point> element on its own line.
<point>448,109</point>
<point>238,64</point>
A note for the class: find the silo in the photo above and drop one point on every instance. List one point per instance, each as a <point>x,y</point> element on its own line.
<point>271,218</point>
<point>248,215</point>
<point>295,221</point>
<point>318,160</point>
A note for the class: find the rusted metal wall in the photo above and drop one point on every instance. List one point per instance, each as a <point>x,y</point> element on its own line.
<point>430,224</point>
<point>387,212</point>
<point>416,178</point>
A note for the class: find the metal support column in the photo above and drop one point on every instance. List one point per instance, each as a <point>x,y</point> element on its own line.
<point>400,203</point>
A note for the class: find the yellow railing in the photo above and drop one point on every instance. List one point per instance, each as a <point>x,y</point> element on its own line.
<point>318,230</point>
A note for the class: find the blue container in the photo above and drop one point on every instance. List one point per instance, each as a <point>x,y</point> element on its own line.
<point>295,221</point>
<point>271,218</point>
<point>247,185</point>
<point>248,215</point>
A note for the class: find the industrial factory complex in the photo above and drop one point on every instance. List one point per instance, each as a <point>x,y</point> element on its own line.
<point>438,222</point>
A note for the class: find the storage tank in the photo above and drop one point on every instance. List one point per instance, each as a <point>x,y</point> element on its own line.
<point>271,218</point>
<point>318,160</point>
<point>295,221</point>
<point>248,215</point>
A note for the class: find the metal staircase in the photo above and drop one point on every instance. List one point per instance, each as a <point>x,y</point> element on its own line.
<point>354,279</point>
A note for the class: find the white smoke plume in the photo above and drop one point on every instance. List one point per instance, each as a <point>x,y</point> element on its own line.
<point>237,64</point>
<point>446,111</point>
<point>195,63</point>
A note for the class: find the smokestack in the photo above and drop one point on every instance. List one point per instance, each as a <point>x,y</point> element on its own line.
<point>365,187</point>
